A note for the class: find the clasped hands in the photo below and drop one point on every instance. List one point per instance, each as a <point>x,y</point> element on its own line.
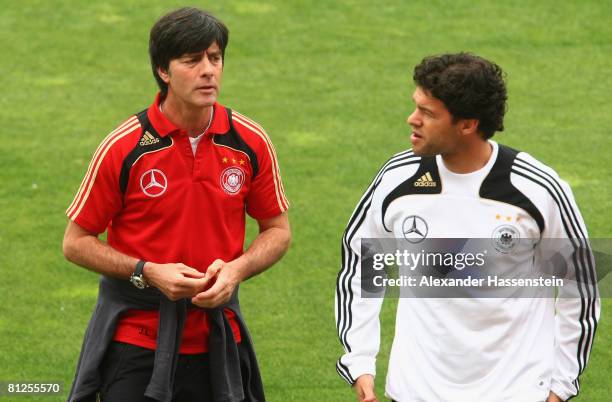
<point>178,281</point>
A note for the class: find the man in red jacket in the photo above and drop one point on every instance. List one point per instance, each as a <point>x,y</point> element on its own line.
<point>171,186</point>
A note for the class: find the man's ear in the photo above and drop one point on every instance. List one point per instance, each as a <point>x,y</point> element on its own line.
<point>469,126</point>
<point>165,76</point>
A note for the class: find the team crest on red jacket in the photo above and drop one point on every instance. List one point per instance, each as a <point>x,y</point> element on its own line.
<point>153,182</point>
<point>232,180</point>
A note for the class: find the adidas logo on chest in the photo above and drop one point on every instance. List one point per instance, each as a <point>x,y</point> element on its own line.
<point>148,139</point>
<point>425,181</point>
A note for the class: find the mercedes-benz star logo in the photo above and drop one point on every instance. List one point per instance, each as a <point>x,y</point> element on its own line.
<point>414,229</point>
<point>153,182</point>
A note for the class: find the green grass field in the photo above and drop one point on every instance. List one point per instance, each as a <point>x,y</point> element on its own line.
<point>331,83</point>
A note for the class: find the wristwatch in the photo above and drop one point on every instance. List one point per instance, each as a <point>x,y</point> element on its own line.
<point>137,278</point>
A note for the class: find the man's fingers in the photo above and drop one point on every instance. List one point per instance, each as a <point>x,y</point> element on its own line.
<point>211,302</point>
<point>207,303</point>
<point>221,289</point>
<point>211,273</point>
<point>217,264</point>
<point>214,268</point>
<point>364,387</point>
<point>188,271</point>
<point>210,293</point>
<point>367,395</point>
<point>191,286</point>
<point>212,297</point>
<point>192,273</point>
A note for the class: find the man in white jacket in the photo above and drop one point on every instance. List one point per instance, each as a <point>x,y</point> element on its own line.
<point>457,183</point>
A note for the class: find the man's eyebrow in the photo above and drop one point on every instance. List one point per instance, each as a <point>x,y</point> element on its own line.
<point>421,107</point>
<point>192,54</point>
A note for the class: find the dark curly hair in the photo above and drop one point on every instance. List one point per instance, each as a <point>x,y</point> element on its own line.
<point>470,87</point>
<point>183,31</point>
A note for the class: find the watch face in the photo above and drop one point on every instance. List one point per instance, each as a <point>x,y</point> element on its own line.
<point>138,282</point>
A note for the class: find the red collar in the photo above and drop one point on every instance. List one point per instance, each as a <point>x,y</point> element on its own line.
<point>219,125</point>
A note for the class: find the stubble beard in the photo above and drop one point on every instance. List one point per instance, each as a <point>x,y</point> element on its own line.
<point>425,150</point>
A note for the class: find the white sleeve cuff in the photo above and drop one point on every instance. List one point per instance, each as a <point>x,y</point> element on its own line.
<point>352,367</point>
<point>563,389</point>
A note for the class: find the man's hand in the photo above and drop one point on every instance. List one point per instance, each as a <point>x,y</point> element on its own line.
<point>552,397</point>
<point>225,277</point>
<point>175,281</point>
<point>267,248</point>
<point>364,388</point>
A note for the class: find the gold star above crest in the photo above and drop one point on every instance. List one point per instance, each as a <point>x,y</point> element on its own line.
<point>508,218</point>
<point>242,161</point>
<point>234,160</point>
<point>498,216</point>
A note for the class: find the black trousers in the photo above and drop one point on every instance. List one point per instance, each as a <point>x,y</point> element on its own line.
<point>126,371</point>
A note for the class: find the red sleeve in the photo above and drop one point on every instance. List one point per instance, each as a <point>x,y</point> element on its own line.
<point>99,197</point>
<point>266,197</point>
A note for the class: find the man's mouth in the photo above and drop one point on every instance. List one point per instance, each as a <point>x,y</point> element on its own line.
<point>206,88</point>
<point>415,137</point>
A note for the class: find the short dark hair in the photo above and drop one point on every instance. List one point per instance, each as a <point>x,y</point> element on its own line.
<point>470,86</point>
<point>183,31</point>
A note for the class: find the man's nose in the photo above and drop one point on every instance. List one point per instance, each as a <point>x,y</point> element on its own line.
<point>206,67</point>
<point>413,119</point>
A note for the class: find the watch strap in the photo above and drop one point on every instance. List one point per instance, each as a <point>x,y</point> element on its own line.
<point>139,268</point>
